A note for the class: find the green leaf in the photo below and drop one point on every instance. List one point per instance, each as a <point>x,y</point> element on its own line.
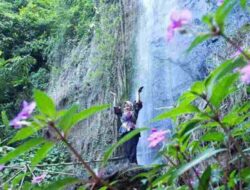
<point>187,126</point>
<point>166,177</point>
<point>200,158</point>
<point>25,132</point>
<point>199,39</point>
<point>223,88</point>
<point>5,119</point>
<point>213,136</point>
<point>176,112</point>
<point>245,174</point>
<point>61,184</point>
<point>198,87</point>
<point>208,19</point>
<point>88,112</point>
<point>44,103</point>
<point>42,153</point>
<point>66,121</point>
<point>60,113</point>
<point>235,118</point>
<point>103,188</point>
<point>243,3</point>
<point>221,71</point>
<point>205,178</point>
<point>27,186</point>
<point>222,13</point>
<point>21,149</point>
<point>17,179</point>
<point>186,98</point>
<point>124,139</point>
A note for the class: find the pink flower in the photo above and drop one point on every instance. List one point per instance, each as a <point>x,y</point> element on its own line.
<point>177,20</point>
<point>245,74</point>
<point>220,2</point>
<point>236,54</point>
<point>157,137</point>
<point>38,179</point>
<point>25,113</point>
<point>2,167</point>
<point>153,130</point>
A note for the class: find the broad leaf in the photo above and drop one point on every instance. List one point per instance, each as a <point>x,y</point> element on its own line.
<point>243,3</point>
<point>60,113</point>
<point>213,136</point>
<point>198,87</point>
<point>166,177</point>
<point>42,153</point>
<point>199,39</point>
<point>208,19</point>
<point>22,149</point>
<point>5,119</point>
<point>245,174</point>
<point>186,98</point>
<point>27,186</point>
<point>223,88</point>
<point>176,112</point>
<point>88,112</point>
<point>25,132</point>
<point>44,103</point>
<point>200,158</point>
<point>189,125</point>
<point>17,179</point>
<point>221,71</point>
<point>66,121</point>
<point>205,178</point>
<point>124,139</point>
<point>235,118</point>
<point>222,13</point>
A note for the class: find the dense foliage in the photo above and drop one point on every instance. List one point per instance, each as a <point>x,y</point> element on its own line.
<point>29,31</point>
<point>208,148</point>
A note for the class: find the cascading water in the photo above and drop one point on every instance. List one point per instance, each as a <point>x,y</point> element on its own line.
<point>160,68</point>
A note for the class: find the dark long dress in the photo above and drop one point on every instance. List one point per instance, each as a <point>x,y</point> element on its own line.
<point>129,119</point>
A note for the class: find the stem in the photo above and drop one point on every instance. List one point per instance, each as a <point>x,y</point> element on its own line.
<point>226,130</point>
<point>185,180</point>
<point>234,44</point>
<point>27,166</point>
<point>171,161</point>
<point>18,172</point>
<point>54,172</point>
<point>225,179</point>
<point>77,163</point>
<point>78,156</point>
<point>196,173</point>
<point>20,187</point>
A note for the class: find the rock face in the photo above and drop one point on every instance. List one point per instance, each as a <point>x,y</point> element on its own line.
<point>164,67</point>
<point>89,72</point>
<point>129,33</point>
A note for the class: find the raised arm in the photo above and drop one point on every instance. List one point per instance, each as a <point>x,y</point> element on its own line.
<point>117,109</point>
<point>138,99</point>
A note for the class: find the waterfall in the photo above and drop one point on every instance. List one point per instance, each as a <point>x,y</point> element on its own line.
<point>161,68</point>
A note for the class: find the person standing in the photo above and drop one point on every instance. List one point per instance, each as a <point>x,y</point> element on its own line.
<point>128,117</point>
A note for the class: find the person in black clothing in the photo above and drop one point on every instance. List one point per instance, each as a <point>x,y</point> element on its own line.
<point>128,117</point>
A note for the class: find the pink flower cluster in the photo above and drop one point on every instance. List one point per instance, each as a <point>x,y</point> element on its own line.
<point>157,137</point>
<point>177,20</point>
<point>19,120</point>
<point>245,74</point>
<point>38,179</point>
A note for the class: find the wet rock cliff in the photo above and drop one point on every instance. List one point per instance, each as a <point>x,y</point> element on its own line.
<point>91,71</point>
